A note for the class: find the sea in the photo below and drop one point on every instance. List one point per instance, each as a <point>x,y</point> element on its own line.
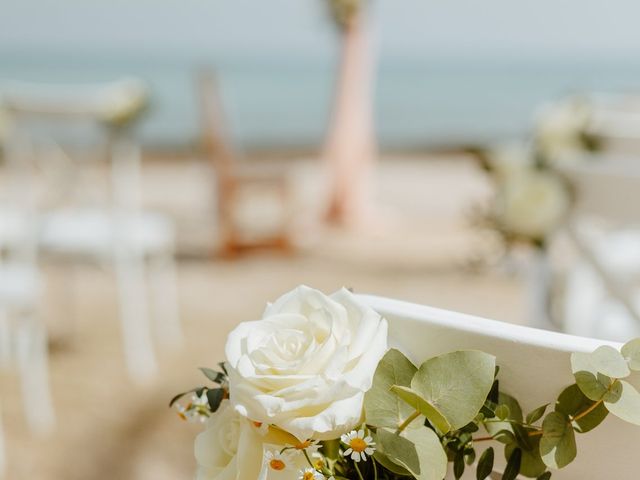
<point>285,103</point>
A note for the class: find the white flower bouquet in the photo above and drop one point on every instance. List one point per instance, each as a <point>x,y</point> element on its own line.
<point>312,392</point>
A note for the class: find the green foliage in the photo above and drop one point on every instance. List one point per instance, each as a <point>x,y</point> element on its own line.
<point>423,417</point>
<point>558,443</point>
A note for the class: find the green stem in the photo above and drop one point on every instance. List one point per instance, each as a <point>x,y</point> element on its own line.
<point>587,411</point>
<point>406,423</point>
<point>375,469</point>
<point>306,455</point>
<point>358,470</point>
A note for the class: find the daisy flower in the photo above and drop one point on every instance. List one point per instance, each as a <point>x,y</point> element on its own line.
<point>359,445</point>
<point>277,460</point>
<point>310,474</point>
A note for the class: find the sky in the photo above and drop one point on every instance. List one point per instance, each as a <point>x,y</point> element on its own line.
<point>408,28</point>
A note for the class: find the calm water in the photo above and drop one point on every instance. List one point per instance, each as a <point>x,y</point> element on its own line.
<point>286,103</point>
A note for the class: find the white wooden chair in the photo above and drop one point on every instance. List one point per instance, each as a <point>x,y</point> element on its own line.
<point>23,335</point>
<point>535,368</point>
<point>602,291</point>
<point>114,230</point>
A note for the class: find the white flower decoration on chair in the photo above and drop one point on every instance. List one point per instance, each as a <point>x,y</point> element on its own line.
<point>306,365</point>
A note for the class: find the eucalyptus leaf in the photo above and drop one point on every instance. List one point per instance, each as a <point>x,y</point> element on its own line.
<point>382,407</point>
<point>417,450</point>
<point>544,476</point>
<point>485,464</point>
<point>627,407</point>
<point>631,353</point>
<point>515,415</point>
<point>502,412</point>
<point>572,402</point>
<point>216,377</point>
<point>604,359</point>
<point>456,384</point>
<point>433,459</point>
<point>536,414</point>
<point>214,398</point>
<point>531,464</point>
<point>458,465</point>
<point>558,442</point>
<point>512,469</point>
<point>424,407</point>
<point>386,462</point>
<point>593,385</point>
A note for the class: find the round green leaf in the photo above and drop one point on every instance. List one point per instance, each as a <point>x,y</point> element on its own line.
<point>572,402</point>
<point>631,353</point>
<point>456,384</point>
<point>605,359</point>
<point>627,407</point>
<point>558,442</point>
<point>417,450</point>
<point>382,407</point>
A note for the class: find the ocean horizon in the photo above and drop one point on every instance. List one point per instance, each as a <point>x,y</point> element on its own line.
<point>284,102</point>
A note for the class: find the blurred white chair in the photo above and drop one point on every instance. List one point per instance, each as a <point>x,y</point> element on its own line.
<point>535,367</point>
<point>602,292</point>
<point>23,336</point>
<point>115,231</point>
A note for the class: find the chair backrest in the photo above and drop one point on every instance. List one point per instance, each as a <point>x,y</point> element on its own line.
<point>608,188</point>
<point>56,129</point>
<point>535,367</point>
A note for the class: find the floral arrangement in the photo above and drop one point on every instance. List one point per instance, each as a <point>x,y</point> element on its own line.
<point>532,196</point>
<point>312,392</point>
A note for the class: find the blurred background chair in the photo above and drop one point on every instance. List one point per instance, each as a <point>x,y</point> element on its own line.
<point>234,178</point>
<point>23,334</point>
<point>602,292</point>
<point>57,134</point>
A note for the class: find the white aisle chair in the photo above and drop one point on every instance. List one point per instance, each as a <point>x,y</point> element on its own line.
<point>535,368</point>
<point>23,335</point>
<point>115,231</point>
<point>602,291</point>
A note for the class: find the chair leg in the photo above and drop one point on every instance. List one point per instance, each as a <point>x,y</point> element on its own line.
<point>134,315</point>
<point>163,280</point>
<point>5,339</point>
<point>33,365</point>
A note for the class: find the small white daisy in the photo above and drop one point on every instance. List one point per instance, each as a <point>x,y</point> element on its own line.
<point>359,445</point>
<point>310,474</point>
<point>277,460</point>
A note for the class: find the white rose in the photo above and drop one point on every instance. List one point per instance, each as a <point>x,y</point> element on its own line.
<point>232,448</point>
<point>306,365</point>
<point>532,203</point>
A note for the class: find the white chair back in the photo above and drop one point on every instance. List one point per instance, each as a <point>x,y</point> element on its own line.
<point>534,367</point>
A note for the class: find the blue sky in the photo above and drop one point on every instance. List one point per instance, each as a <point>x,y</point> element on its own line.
<point>298,27</point>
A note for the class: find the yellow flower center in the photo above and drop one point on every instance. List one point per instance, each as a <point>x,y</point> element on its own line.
<point>358,444</point>
<point>307,476</point>
<point>276,464</point>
